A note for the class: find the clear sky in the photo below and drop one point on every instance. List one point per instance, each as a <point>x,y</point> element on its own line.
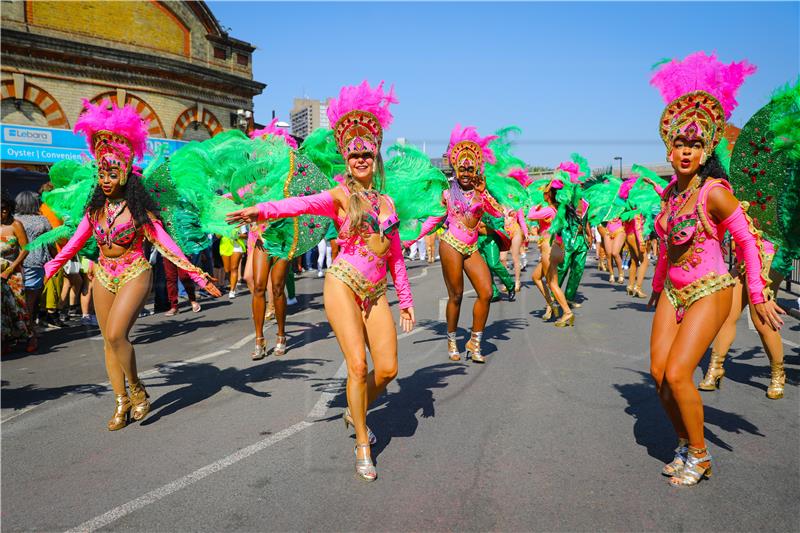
<point>573,76</point>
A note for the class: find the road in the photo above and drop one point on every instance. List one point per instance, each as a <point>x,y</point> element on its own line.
<point>561,430</point>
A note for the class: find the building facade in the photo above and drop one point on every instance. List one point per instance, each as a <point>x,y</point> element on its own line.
<point>170,59</point>
<point>307,115</point>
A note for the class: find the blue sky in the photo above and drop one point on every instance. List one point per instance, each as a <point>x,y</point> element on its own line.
<point>573,76</point>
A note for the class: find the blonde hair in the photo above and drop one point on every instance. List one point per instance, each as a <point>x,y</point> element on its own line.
<point>356,205</point>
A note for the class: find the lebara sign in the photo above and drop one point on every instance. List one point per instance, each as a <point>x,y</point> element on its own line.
<point>27,144</point>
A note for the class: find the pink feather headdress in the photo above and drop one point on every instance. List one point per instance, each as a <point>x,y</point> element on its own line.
<point>573,169</point>
<point>115,136</point>
<point>627,185</point>
<point>467,148</point>
<point>700,93</point>
<point>521,176</point>
<point>272,129</point>
<point>358,117</point>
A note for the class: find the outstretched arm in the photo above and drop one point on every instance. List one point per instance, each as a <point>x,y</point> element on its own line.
<point>82,234</point>
<point>321,204</point>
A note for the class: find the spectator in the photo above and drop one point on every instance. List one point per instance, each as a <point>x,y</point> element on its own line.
<point>15,322</point>
<point>35,224</point>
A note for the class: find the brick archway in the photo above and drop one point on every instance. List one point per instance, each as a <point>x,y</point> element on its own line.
<point>190,115</point>
<point>56,118</point>
<point>155,129</point>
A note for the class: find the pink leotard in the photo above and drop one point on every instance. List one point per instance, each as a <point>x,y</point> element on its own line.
<point>702,270</point>
<point>357,265</point>
<point>116,271</point>
<point>461,221</point>
<point>635,227</point>
<point>614,227</point>
<point>545,216</point>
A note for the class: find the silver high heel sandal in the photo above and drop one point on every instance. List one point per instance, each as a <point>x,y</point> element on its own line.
<point>260,351</point>
<point>280,346</point>
<point>693,471</point>
<point>348,421</point>
<point>364,468</point>
<point>676,466</point>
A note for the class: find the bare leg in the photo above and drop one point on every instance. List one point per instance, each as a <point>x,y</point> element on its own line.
<point>260,267</point>
<point>516,243</point>
<point>453,272</point>
<point>103,301</point>
<point>556,256</point>
<point>616,249</point>
<point>478,273</point>
<point>700,325</point>
<point>279,269</point>
<point>663,332</point>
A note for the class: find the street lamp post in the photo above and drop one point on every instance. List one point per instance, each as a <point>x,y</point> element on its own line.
<point>620,166</point>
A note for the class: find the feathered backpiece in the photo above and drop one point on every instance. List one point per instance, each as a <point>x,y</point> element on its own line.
<point>583,164</point>
<point>467,148</point>
<point>785,121</point>
<point>359,115</point>
<point>521,175</point>
<point>627,185</point>
<point>700,93</point>
<point>115,136</point>
<point>572,169</point>
<point>272,129</point>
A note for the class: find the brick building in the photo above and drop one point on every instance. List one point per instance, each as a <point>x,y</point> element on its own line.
<point>171,59</point>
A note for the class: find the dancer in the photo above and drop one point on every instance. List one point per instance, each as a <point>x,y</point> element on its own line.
<point>576,234</point>
<point>491,240</point>
<point>466,200</point>
<point>764,168</point>
<point>120,214</point>
<point>698,208</point>
<point>551,247</point>
<point>642,196</point>
<point>369,243</point>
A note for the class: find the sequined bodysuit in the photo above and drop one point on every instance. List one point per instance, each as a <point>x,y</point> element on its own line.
<point>366,253</point>
<point>701,270</point>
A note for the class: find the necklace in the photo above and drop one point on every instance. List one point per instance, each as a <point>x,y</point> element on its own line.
<point>113,210</point>
<point>677,201</point>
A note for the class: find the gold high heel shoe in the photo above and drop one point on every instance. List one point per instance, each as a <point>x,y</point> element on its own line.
<point>474,348</point>
<point>777,382</point>
<point>364,468</point>
<point>548,314</point>
<point>568,320</point>
<point>713,378</point>
<point>675,467</point>
<point>621,279</point>
<point>260,351</point>
<point>638,293</point>
<point>139,399</point>
<point>348,421</point>
<point>452,347</point>
<point>611,279</point>
<point>693,471</point>
<point>629,290</point>
<point>122,412</point>
<point>280,345</point>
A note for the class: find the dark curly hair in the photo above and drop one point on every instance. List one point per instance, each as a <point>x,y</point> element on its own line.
<point>8,202</point>
<point>712,169</point>
<point>140,203</point>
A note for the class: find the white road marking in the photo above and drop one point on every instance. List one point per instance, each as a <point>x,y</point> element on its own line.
<point>238,344</point>
<point>790,343</point>
<point>154,495</point>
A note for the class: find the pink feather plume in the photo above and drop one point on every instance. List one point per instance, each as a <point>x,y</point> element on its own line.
<point>521,176</point>
<point>572,169</point>
<point>123,121</point>
<point>364,98</point>
<point>627,185</point>
<point>272,129</point>
<point>469,133</point>
<point>701,72</point>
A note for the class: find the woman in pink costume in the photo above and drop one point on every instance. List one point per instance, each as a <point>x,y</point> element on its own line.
<point>120,215</point>
<point>613,242</point>
<point>551,249</point>
<point>466,200</point>
<point>699,208</point>
<point>634,234</point>
<point>369,245</point>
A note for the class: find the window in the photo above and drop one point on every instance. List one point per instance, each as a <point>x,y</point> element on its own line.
<point>219,53</point>
<point>242,59</point>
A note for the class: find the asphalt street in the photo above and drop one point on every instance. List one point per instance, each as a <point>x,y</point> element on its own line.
<point>561,430</point>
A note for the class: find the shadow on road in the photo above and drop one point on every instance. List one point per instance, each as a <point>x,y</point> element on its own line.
<point>28,395</point>
<point>197,382</point>
<point>653,430</point>
<point>174,327</point>
<point>395,415</point>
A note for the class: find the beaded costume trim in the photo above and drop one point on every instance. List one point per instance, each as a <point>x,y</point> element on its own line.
<point>461,247</point>
<point>366,291</point>
<point>131,270</point>
<point>684,297</point>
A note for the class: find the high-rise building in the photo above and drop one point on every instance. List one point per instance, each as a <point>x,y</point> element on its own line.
<point>307,115</point>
